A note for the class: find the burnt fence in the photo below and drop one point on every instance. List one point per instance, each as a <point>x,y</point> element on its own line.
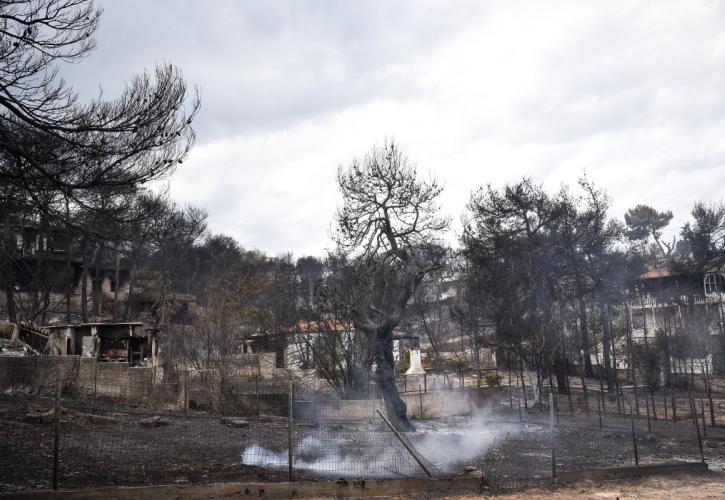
<point>71,423</point>
<point>68,423</point>
<point>549,437</point>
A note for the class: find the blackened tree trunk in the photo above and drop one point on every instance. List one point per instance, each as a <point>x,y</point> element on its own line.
<point>560,369</point>
<point>97,292</point>
<point>584,337</point>
<point>385,378</point>
<point>10,299</point>
<point>389,224</point>
<point>606,344</point>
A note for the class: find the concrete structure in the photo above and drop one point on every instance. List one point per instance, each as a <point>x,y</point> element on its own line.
<point>122,341</point>
<point>416,368</point>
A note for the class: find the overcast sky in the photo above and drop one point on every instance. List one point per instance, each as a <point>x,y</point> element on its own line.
<point>632,93</point>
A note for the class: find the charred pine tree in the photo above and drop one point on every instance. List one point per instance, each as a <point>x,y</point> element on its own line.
<point>389,226</point>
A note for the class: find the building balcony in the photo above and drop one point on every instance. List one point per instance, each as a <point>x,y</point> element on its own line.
<point>656,302</point>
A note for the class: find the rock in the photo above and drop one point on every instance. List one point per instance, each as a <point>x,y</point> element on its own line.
<point>155,421</point>
<point>470,468</point>
<point>235,422</point>
<point>39,417</point>
<point>98,419</point>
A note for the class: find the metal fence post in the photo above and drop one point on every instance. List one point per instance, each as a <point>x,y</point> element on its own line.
<point>186,390</point>
<point>290,430</point>
<point>511,394</point>
<point>619,406</point>
<point>634,436</point>
<point>56,433</point>
<point>256,394</point>
<point>95,381</point>
<point>664,400</point>
<point>704,427</point>
<point>420,400</point>
<point>410,450</point>
<point>636,398</point>
<point>599,412</point>
<point>551,436</point>
<point>697,428</point>
<point>649,424</point>
<point>571,404</point>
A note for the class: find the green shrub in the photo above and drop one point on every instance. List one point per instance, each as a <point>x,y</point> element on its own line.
<point>403,363</point>
<point>491,379</point>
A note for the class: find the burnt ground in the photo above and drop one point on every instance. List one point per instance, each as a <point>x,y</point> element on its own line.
<point>111,448</point>
<point>682,486</point>
<point>521,458</point>
<point>115,449</point>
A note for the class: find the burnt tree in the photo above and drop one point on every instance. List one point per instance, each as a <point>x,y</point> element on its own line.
<point>389,224</point>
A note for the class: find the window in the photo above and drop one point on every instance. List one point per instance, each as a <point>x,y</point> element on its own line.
<point>712,283</point>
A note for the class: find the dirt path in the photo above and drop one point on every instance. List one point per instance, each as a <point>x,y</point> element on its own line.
<point>680,487</point>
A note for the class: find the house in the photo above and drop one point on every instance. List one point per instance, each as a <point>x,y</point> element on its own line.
<point>113,342</point>
<point>671,304</point>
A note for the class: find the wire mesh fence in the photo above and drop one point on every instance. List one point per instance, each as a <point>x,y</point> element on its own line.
<point>561,433</point>
<point>71,424</point>
<point>74,423</point>
<point>333,438</point>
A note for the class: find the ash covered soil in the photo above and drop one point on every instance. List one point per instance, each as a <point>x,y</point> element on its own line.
<point>677,486</point>
<point>115,449</point>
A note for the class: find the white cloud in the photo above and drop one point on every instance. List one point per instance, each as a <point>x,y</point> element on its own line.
<point>630,92</point>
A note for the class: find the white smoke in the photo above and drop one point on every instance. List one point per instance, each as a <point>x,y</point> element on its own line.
<point>322,456</point>
<point>369,450</point>
<point>451,447</point>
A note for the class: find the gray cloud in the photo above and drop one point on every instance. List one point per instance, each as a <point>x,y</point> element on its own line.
<point>630,92</point>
